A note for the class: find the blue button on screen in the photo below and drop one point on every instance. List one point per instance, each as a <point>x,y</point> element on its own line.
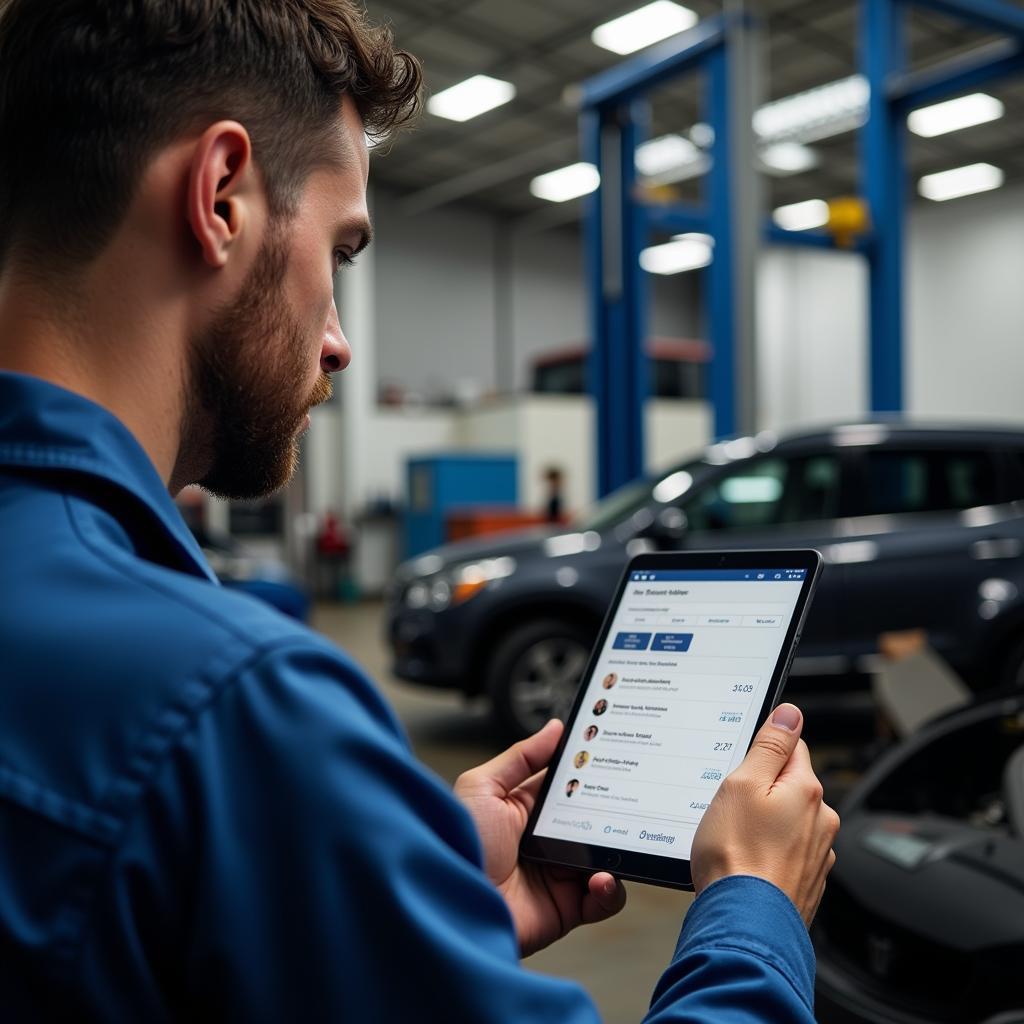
<point>678,642</point>
<point>631,641</point>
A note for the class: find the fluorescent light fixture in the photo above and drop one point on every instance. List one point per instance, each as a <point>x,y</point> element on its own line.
<point>786,158</point>
<point>667,153</point>
<point>960,181</point>
<point>566,183</point>
<point>953,115</point>
<point>643,27</point>
<point>818,113</point>
<point>802,216</point>
<point>671,158</point>
<point>470,98</point>
<point>689,252</point>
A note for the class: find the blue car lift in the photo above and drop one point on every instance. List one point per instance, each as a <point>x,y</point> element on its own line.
<point>613,121</point>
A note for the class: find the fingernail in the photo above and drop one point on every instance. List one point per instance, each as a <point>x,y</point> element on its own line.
<point>609,888</point>
<point>786,717</point>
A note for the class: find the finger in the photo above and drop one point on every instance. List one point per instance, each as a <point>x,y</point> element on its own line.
<point>773,746</point>
<point>605,897</point>
<point>514,766</point>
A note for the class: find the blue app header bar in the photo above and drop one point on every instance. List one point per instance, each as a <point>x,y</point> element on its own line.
<point>720,575</point>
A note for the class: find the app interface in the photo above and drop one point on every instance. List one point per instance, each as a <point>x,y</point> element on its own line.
<point>671,707</point>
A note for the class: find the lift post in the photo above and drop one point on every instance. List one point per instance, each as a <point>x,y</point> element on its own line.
<point>614,120</point>
<point>894,92</point>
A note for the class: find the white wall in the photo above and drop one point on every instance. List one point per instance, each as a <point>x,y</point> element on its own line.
<point>811,336</point>
<point>964,320</point>
<point>438,306</point>
<point>435,297</point>
<point>965,307</point>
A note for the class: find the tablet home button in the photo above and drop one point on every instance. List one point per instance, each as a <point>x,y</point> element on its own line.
<point>612,860</point>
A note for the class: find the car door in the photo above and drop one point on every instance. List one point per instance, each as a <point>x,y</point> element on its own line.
<point>778,500</point>
<point>930,530</point>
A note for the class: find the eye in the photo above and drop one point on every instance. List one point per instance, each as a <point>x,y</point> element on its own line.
<point>342,259</point>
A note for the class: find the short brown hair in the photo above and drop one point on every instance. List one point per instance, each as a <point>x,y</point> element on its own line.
<point>90,90</point>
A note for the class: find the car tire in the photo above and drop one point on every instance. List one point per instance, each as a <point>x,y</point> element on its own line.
<point>534,674</point>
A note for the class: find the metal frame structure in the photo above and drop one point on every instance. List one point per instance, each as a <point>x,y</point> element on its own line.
<point>613,121</point>
<point>894,92</point>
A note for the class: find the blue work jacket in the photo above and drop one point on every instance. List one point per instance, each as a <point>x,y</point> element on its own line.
<point>207,811</point>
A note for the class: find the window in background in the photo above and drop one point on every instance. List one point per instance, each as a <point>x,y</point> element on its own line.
<point>928,481</point>
<point>769,492</point>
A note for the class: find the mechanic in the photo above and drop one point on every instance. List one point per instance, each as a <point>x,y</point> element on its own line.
<point>206,810</point>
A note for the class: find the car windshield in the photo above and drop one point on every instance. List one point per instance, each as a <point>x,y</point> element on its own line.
<point>618,506</point>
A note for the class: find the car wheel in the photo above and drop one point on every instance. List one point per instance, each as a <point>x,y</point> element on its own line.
<point>535,672</point>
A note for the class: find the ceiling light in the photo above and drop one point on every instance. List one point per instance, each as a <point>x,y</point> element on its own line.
<point>960,181</point>
<point>815,114</point>
<point>677,256</point>
<point>785,158</point>
<point>643,27</point>
<point>470,98</point>
<point>951,116</point>
<point>666,153</point>
<point>566,183</point>
<point>802,216</point>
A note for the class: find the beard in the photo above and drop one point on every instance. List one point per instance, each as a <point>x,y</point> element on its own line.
<point>243,415</point>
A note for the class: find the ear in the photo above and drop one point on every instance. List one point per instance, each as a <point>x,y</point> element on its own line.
<point>218,195</point>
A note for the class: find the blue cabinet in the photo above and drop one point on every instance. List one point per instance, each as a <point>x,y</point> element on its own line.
<point>437,485</point>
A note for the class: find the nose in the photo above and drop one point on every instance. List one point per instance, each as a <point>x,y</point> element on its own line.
<point>335,354</point>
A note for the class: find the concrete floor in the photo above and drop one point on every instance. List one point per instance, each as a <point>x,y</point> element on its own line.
<point>617,962</point>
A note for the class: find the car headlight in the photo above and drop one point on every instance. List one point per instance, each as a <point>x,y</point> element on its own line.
<point>456,584</point>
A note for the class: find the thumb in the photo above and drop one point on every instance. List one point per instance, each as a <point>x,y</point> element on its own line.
<point>773,745</point>
<point>514,766</point>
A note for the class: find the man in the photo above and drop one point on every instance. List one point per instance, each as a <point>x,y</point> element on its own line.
<point>206,811</point>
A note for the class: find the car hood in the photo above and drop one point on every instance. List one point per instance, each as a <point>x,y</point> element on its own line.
<point>539,545</point>
<point>517,545</point>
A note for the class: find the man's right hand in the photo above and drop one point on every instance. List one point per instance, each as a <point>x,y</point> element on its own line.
<point>768,819</point>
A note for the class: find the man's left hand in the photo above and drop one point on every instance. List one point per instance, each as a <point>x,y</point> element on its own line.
<point>546,902</point>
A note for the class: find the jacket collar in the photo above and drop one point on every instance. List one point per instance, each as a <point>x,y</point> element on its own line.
<point>50,430</point>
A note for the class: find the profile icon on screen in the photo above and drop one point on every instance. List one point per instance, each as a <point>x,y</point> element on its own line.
<point>581,759</point>
<point>600,707</point>
<point>590,732</point>
<point>610,680</point>
<point>571,786</point>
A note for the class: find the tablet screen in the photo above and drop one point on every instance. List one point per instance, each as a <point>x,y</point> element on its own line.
<point>671,706</point>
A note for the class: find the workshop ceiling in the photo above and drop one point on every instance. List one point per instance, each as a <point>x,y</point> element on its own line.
<point>544,48</point>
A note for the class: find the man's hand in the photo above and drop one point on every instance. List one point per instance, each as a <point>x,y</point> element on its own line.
<point>768,819</point>
<point>546,902</point>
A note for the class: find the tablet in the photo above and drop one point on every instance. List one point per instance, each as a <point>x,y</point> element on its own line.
<point>690,661</point>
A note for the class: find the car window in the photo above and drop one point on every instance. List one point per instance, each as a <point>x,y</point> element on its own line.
<point>1015,481</point>
<point>768,492</point>
<point>928,481</point>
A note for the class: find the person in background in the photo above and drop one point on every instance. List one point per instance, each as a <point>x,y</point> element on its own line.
<point>554,510</point>
<point>207,811</point>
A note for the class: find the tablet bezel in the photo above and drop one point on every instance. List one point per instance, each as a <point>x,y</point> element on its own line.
<point>630,864</point>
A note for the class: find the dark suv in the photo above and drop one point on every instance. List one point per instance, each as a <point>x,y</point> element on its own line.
<point>919,527</point>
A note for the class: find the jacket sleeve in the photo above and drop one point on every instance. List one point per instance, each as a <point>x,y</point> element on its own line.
<point>293,861</point>
<point>743,956</point>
